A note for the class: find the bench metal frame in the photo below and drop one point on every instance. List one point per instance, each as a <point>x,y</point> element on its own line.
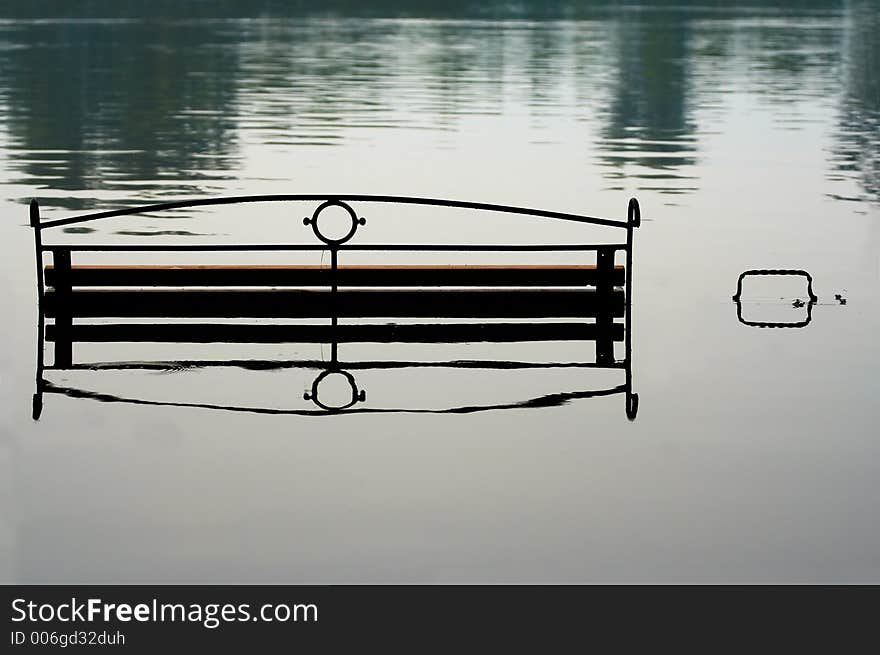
<point>63,304</point>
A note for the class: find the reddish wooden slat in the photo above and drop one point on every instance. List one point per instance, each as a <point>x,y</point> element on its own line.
<point>361,276</point>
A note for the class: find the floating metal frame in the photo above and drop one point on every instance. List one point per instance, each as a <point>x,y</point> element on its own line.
<point>737,297</point>
<point>61,254</point>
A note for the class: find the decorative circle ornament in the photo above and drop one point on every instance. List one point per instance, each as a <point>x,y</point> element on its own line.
<point>314,219</point>
<point>356,395</point>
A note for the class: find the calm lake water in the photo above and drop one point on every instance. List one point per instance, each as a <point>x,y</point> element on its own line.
<point>750,136</point>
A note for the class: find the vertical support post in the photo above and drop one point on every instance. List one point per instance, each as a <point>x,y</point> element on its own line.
<point>64,314</point>
<point>604,291</point>
<point>334,309</point>
<point>37,403</point>
<point>633,220</point>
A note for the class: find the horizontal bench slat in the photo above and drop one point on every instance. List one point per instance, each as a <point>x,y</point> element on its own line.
<point>304,276</point>
<point>435,333</point>
<point>286,303</point>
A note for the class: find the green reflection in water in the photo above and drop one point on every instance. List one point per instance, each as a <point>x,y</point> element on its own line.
<point>155,103</point>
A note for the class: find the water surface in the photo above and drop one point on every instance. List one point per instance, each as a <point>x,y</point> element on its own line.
<point>750,137</point>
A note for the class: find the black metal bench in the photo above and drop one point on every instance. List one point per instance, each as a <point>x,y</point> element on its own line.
<point>170,297</point>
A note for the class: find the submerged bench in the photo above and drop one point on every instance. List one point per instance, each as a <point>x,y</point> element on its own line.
<point>80,298</point>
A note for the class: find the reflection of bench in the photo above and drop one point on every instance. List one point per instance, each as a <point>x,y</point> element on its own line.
<point>192,303</point>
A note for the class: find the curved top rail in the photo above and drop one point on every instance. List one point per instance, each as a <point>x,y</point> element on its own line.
<point>632,221</point>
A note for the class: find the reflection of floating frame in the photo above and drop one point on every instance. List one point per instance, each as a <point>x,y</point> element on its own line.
<point>737,298</point>
<point>177,294</point>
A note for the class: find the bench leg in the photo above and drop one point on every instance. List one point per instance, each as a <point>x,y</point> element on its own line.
<point>63,318</point>
<point>604,320</point>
